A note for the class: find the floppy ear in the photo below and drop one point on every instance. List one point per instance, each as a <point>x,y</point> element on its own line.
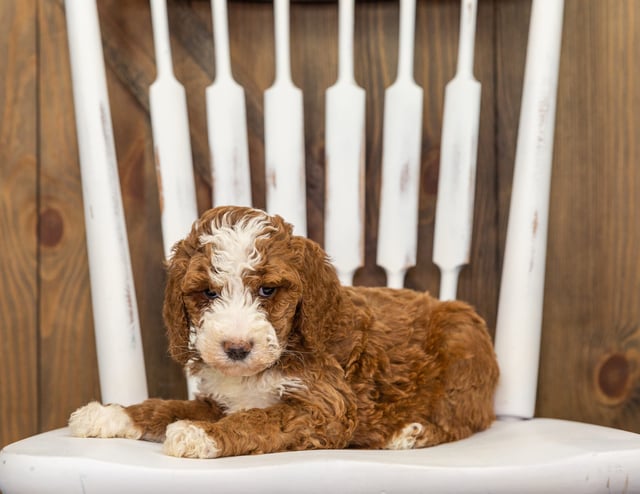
<point>321,294</point>
<point>174,311</point>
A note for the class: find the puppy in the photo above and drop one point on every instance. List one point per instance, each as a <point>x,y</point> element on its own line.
<point>287,359</point>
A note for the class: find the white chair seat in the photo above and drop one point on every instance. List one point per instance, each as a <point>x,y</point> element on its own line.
<point>539,455</point>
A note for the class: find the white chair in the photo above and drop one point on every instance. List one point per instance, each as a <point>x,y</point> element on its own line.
<point>517,454</point>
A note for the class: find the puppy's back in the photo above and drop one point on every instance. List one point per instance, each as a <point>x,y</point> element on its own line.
<point>432,364</point>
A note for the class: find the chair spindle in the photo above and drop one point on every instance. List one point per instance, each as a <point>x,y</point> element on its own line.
<point>115,309</point>
<point>519,320</point>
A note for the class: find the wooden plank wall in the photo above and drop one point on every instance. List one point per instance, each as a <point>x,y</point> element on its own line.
<point>590,362</point>
<point>18,220</point>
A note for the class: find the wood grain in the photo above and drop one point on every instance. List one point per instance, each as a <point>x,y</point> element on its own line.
<point>18,222</point>
<point>437,36</point>
<point>128,76</point>
<point>590,362</point>
<point>67,372</point>
<point>590,367</point>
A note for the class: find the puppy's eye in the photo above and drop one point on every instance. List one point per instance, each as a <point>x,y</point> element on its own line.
<point>266,291</point>
<point>211,294</point>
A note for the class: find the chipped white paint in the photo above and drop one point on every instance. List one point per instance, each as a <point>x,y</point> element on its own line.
<point>344,151</point>
<point>171,141</point>
<point>227,122</point>
<point>457,176</point>
<point>401,145</point>
<point>237,393</point>
<point>96,420</point>
<point>185,439</point>
<point>519,318</point>
<point>115,311</point>
<point>284,134</point>
<point>406,438</point>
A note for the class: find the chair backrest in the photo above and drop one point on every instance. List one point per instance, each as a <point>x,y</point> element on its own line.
<point>122,374</point>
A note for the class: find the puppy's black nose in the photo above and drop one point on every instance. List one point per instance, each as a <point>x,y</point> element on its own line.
<point>237,350</point>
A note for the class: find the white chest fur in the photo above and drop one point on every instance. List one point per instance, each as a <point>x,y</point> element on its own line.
<point>242,393</point>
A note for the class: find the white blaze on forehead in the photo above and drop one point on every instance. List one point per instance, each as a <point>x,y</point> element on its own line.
<point>234,246</point>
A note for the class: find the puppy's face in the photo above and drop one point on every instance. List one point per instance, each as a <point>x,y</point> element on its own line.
<point>232,291</point>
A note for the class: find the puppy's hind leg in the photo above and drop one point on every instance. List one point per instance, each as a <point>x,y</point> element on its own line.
<point>407,437</point>
<point>421,435</point>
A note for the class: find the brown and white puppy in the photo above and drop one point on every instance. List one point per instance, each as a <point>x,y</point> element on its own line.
<point>287,359</point>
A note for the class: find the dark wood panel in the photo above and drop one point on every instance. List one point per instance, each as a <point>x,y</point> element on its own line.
<point>590,363</point>
<point>67,372</point>
<point>480,281</point>
<point>511,33</point>
<point>18,222</point>
<point>590,368</point>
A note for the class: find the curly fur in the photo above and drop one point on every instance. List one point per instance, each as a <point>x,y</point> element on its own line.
<point>290,360</point>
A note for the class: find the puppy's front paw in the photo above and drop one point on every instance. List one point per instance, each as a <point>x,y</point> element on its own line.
<point>96,420</point>
<point>186,439</point>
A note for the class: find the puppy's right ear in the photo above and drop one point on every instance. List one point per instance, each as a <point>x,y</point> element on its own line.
<point>174,311</point>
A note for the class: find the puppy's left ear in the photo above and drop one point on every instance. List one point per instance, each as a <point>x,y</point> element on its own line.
<point>320,291</point>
